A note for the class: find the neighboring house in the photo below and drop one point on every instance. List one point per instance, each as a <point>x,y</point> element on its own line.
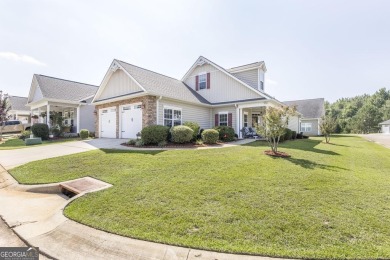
<point>19,110</point>
<point>312,110</point>
<point>130,98</point>
<point>385,127</point>
<point>71,99</point>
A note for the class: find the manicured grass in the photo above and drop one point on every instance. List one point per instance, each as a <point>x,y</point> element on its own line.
<point>15,143</point>
<point>326,201</point>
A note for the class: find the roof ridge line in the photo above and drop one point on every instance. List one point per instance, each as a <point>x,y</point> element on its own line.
<point>245,65</point>
<point>148,70</point>
<point>67,80</point>
<point>303,99</point>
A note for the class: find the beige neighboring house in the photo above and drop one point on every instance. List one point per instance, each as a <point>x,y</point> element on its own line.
<point>130,98</point>
<point>19,110</point>
<point>312,110</point>
<point>385,127</point>
<point>72,99</point>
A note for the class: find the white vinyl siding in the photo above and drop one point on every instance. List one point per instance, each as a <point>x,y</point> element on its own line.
<point>293,123</point>
<point>222,87</point>
<point>250,77</point>
<point>189,112</point>
<point>119,84</point>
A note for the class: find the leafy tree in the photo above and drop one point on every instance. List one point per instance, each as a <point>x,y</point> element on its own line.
<point>328,126</point>
<point>274,125</point>
<point>4,108</point>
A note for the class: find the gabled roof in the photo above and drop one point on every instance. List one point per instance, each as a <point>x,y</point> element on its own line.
<point>387,122</point>
<point>18,103</point>
<point>309,108</point>
<point>160,85</point>
<point>62,89</point>
<point>202,60</point>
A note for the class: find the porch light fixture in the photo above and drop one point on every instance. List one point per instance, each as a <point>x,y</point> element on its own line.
<point>95,112</point>
<point>138,135</point>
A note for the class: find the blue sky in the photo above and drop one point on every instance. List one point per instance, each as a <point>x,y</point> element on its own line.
<point>329,49</point>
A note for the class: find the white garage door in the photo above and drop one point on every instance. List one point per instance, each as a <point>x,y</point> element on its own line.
<point>386,129</point>
<point>108,123</point>
<point>131,120</point>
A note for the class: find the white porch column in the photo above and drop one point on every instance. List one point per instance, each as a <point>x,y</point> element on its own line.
<point>16,116</point>
<point>78,119</point>
<point>48,115</point>
<point>39,115</point>
<point>238,122</point>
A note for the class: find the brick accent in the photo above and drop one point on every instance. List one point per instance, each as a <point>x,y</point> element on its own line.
<point>149,111</point>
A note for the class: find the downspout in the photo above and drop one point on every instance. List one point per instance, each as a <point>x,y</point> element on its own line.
<point>158,109</point>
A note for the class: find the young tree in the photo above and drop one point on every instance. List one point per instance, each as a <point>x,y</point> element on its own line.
<point>274,125</point>
<point>4,108</point>
<point>327,127</point>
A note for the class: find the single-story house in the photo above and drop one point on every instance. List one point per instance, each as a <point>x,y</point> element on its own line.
<point>385,127</point>
<point>130,98</point>
<point>72,99</point>
<point>312,110</point>
<point>19,110</point>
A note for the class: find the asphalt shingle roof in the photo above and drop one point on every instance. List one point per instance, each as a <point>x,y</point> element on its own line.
<point>162,85</point>
<point>387,122</point>
<point>309,108</point>
<point>18,103</point>
<point>64,89</point>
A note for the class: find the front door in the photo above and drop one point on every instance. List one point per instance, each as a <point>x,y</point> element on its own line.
<point>131,120</point>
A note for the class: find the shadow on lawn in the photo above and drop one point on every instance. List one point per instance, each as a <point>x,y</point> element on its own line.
<point>307,164</point>
<point>150,152</point>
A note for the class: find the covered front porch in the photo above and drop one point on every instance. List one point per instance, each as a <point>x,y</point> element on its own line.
<point>247,117</point>
<point>70,114</point>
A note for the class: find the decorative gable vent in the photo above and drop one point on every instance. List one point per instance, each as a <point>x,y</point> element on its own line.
<point>201,62</point>
<point>114,67</point>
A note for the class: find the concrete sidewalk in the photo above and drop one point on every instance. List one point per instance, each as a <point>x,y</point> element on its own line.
<point>38,218</point>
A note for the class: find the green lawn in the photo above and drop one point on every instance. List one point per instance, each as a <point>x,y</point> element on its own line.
<point>16,143</point>
<point>326,201</point>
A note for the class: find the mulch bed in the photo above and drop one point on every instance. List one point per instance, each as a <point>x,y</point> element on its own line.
<point>277,154</point>
<point>173,145</point>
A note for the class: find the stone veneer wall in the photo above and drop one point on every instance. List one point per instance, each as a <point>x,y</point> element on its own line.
<point>149,111</point>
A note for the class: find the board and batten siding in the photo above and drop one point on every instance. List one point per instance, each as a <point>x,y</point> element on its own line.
<point>314,126</point>
<point>228,109</point>
<point>222,87</point>
<point>193,113</point>
<point>250,77</point>
<point>119,84</point>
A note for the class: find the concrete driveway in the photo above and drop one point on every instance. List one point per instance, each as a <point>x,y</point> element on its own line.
<point>382,139</point>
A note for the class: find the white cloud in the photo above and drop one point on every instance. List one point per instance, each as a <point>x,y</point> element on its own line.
<point>20,57</point>
<point>271,82</point>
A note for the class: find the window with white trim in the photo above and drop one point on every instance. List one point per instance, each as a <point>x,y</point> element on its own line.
<point>305,127</point>
<point>223,119</point>
<point>245,120</point>
<point>172,117</point>
<point>202,81</point>
<point>261,85</point>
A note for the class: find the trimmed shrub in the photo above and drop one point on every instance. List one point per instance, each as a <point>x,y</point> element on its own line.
<point>162,143</point>
<point>154,134</point>
<point>294,135</point>
<point>132,142</point>
<point>139,143</point>
<point>84,133</point>
<point>40,130</point>
<point>181,134</point>
<point>24,135</point>
<point>287,134</point>
<point>195,127</point>
<point>210,136</point>
<point>226,133</point>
